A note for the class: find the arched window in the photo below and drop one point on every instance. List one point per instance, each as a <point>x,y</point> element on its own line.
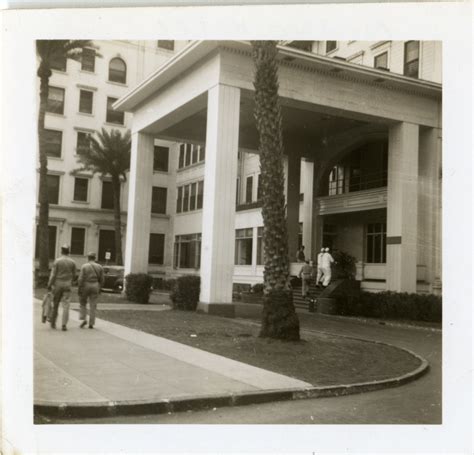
<point>117,71</point>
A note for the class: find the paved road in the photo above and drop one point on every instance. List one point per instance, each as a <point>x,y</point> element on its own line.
<point>418,402</point>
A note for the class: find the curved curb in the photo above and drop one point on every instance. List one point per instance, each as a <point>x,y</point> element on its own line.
<point>168,406</point>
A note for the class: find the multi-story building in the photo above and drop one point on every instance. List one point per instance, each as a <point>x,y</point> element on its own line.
<point>363,161</point>
<point>80,98</point>
<point>362,132</point>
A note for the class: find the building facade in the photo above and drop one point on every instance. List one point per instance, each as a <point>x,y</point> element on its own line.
<point>362,132</point>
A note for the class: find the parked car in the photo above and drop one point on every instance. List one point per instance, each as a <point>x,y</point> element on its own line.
<point>113,275</point>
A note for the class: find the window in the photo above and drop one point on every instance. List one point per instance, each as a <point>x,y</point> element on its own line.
<point>53,189</point>
<point>179,202</point>
<point>58,63</point>
<point>85,101</point>
<point>237,191</point>
<point>186,199</point>
<point>301,45</point>
<point>112,115</point>
<point>376,238</point>
<point>51,242</point>
<point>55,100</point>
<point>88,60</point>
<point>248,190</point>
<point>78,236</point>
<point>117,71</point>
<point>157,249</point>
<point>187,251</point>
<point>80,189</point>
<point>259,187</point>
<point>192,201</point>
<point>200,194</point>
<point>329,235</point>
<point>195,154</point>
<point>336,180</point>
<point>166,44</point>
<point>243,246</point>
<point>182,150</point>
<point>190,154</point>
<point>260,248</point>
<point>187,160</point>
<point>411,58</point>
<point>53,143</point>
<point>160,158</point>
<point>158,200</point>
<point>330,46</point>
<point>83,142</point>
<point>381,61</point>
<point>107,196</point>
<point>300,235</point>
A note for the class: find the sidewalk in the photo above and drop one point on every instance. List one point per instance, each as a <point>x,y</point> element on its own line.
<point>113,370</point>
<point>112,365</point>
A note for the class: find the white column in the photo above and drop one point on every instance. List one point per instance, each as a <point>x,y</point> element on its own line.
<point>307,190</point>
<point>293,203</point>
<point>428,203</point>
<point>218,215</point>
<point>139,204</point>
<point>402,207</point>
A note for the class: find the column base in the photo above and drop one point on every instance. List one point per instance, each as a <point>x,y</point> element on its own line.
<point>218,309</point>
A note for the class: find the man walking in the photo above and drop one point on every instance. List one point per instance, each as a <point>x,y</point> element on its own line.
<point>305,275</point>
<point>326,262</point>
<point>320,267</point>
<point>60,281</point>
<point>90,282</point>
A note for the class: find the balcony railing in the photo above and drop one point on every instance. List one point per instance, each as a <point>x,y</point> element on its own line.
<point>365,181</point>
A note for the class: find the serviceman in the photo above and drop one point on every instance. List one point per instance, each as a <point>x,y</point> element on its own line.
<point>305,275</point>
<point>326,262</point>
<point>319,265</point>
<point>90,282</point>
<point>60,281</point>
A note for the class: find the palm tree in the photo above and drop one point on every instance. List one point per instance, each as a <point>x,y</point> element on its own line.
<point>110,155</point>
<point>47,52</point>
<point>279,316</point>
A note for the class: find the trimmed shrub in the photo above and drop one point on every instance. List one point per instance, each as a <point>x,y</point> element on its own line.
<point>138,287</point>
<point>345,266</point>
<point>185,293</point>
<point>393,305</point>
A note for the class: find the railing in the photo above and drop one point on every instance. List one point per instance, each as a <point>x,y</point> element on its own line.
<point>361,182</point>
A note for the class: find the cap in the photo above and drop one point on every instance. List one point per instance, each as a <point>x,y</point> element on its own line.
<point>65,246</point>
<point>91,254</point>
<point>323,250</point>
<point>327,250</point>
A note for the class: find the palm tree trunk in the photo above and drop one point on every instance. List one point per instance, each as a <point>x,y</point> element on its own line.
<point>279,315</point>
<point>43,234</point>
<point>117,221</point>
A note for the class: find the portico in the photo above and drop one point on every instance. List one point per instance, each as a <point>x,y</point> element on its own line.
<point>204,95</point>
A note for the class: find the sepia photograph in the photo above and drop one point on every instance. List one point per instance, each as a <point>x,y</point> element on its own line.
<point>238,232</point>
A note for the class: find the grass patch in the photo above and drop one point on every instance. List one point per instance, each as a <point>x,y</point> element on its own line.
<point>319,359</point>
<point>109,297</point>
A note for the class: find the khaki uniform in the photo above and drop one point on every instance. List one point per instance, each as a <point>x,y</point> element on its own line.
<point>91,280</point>
<point>305,275</point>
<point>62,275</point>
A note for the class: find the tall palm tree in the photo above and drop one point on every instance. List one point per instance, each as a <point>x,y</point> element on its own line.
<point>47,52</point>
<point>110,155</point>
<point>279,316</point>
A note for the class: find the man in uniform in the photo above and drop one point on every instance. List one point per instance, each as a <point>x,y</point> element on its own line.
<point>326,262</point>
<point>319,265</point>
<point>305,275</point>
<point>60,281</point>
<point>90,282</point>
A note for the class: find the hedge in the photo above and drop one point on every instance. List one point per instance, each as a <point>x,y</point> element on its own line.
<point>138,287</point>
<point>393,305</point>
<point>185,293</point>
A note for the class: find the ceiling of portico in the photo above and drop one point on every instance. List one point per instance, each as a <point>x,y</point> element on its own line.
<point>305,128</point>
